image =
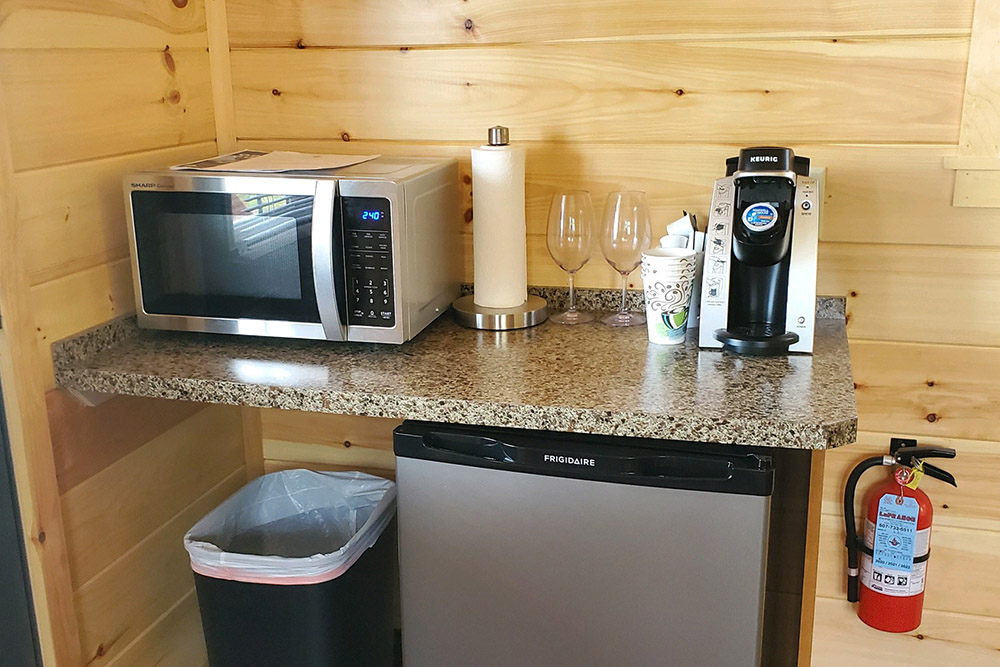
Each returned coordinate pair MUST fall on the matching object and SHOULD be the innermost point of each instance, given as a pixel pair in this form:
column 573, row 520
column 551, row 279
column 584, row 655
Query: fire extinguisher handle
column 907, row 453
column 908, row 456
column 938, row 473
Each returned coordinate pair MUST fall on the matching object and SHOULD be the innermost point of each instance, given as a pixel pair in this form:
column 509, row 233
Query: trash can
column 296, row 568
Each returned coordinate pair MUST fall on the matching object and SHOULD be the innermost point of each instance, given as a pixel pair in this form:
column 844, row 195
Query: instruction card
column 274, row 162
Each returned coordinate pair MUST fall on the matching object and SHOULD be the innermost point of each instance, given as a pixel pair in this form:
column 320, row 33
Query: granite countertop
column 587, row 378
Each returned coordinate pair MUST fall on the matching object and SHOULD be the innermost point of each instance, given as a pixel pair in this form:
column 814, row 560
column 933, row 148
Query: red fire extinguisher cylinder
column 887, row 612
column 888, row 582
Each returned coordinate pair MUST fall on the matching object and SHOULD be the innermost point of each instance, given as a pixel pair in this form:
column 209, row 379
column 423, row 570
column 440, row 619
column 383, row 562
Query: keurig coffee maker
column 758, row 291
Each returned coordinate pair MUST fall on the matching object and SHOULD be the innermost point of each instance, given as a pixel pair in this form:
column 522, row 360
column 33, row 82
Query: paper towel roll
column 498, row 233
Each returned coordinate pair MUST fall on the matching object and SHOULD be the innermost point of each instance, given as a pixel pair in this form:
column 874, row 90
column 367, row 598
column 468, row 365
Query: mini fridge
column 547, row 549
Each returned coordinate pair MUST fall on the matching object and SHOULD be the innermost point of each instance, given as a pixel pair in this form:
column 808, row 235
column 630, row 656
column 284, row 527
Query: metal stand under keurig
column 500, row 301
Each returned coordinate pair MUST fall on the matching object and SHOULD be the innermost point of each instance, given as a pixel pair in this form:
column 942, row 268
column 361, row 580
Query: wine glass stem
column 623, row 310
column 572, row 294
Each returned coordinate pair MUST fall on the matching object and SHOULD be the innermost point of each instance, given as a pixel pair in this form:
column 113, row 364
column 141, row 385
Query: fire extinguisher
column 896, row 542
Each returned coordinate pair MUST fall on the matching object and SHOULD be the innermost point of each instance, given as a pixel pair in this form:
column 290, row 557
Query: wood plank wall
column 91, row 91
column 654, row 96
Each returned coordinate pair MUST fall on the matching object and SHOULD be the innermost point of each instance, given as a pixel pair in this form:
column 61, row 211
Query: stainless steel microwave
column 365, row 253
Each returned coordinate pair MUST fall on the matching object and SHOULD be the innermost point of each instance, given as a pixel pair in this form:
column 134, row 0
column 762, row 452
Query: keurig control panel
column 368, row 246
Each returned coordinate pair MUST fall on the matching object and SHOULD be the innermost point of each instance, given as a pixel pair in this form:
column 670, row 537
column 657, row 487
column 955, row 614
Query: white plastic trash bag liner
column 292, row 527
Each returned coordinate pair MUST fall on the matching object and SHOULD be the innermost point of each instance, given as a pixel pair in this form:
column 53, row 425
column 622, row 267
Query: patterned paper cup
column 668, row 280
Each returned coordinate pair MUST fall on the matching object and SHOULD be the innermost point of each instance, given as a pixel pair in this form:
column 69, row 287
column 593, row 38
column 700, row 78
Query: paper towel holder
column 530, row 313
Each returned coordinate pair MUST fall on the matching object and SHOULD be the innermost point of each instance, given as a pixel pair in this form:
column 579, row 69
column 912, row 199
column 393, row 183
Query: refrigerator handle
column 663, row 466
column 464, row 444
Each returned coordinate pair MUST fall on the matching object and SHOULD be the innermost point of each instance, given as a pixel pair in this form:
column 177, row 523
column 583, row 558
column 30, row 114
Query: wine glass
column 625, row 235
column 570, row 238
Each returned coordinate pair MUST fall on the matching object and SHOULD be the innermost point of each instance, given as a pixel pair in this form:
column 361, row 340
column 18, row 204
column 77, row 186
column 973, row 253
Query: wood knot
column 930, row 383
column 41, row 537
column 468, row 215
column 347, row 443
column 101, row 651
column 404, row 49
column 180, row 4
column 174, row 96
column 944, row 506
column 919, row 636
column 469, row 25
column 300, row 43
column 344, row 136
column 276, row 92
column 853, row 293
column 932, row 417
column 168, row 60
column 679, row 92
column 466, row 179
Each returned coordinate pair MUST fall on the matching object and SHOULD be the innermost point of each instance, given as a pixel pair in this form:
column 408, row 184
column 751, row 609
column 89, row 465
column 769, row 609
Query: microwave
column 366, row 253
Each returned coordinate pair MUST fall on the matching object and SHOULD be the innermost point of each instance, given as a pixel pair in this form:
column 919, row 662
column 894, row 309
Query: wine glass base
column 624, row 320
column 572, row 317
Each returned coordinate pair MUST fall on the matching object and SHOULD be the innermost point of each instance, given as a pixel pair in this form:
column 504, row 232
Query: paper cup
column 670, row 256
column 674, row 241
column 668, row 280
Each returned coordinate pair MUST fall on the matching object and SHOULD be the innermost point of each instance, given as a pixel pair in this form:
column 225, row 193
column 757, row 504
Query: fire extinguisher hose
column 850, row 521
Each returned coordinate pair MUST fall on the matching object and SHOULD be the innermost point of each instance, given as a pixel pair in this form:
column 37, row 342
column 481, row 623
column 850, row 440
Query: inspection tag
column 895, row 532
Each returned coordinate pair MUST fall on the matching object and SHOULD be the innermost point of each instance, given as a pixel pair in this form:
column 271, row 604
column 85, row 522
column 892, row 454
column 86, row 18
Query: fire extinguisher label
column 894, row 532
column 895, row 540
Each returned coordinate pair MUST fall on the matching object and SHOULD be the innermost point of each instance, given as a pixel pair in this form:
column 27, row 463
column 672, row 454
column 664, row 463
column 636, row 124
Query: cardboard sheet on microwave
column 274, row 162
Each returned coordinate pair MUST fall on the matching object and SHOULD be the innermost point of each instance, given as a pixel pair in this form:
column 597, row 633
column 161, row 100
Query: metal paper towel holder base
column 532, row 312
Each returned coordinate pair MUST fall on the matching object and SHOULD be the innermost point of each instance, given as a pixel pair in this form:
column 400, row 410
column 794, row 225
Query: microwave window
column 225, row 255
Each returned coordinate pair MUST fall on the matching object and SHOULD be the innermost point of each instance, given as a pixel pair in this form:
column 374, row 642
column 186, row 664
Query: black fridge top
column 641, row 461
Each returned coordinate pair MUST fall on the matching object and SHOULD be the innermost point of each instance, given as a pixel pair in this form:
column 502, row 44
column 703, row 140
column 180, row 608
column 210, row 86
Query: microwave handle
column 325, row 263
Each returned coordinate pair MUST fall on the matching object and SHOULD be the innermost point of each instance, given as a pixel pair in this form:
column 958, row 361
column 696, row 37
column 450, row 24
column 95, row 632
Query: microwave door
column 227, row 261
column 328, row 261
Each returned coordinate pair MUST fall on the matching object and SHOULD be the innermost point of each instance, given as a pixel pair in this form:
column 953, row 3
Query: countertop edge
column 764, row 432
column 70, row 357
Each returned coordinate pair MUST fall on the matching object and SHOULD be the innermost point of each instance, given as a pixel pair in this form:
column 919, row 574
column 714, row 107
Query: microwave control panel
column 368, row 253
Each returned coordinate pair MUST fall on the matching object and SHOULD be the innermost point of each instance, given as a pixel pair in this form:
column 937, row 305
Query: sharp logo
column 144, row 185
column 568, row 460
column 763, row 158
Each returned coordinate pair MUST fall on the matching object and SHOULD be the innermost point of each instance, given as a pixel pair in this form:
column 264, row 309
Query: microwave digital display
column 369, row 213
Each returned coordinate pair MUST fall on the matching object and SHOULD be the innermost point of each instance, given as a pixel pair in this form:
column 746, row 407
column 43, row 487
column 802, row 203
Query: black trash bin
column 296, row 568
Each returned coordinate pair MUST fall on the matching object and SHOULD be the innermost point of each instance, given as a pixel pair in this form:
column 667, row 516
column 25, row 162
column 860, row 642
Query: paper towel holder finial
column 499, row 136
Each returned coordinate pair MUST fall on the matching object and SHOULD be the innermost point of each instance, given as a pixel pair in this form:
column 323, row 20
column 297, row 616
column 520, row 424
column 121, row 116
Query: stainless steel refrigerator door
column 502, row 568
